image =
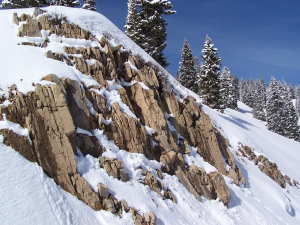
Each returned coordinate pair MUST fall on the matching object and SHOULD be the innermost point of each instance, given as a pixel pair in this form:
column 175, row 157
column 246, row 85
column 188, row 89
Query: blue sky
column 257, row 38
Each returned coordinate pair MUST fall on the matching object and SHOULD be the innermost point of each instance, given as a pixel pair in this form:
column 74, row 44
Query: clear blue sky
column 257, row 38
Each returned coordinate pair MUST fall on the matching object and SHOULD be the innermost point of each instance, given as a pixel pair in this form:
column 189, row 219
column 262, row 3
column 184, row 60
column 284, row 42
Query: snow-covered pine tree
column 134, row 23
column 68, row 3
column 274, row 107
column 187, row 74
column 12, row 4
column 297, row 95
column 228, row 89
column 89, row 4
column 259, row 97
column 147, row 26
column 290, row 119
column 210, row 75
column 236, row 89
column 246, row 92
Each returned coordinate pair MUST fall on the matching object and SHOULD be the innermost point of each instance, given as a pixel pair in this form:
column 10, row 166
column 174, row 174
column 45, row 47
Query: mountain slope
column 121, row 121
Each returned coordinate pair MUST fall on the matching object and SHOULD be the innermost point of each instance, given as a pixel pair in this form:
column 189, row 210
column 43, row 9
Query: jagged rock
column 156, row 186
column 199, row 183
column 114, row 168
column 220, row 187
column 168, row 194
column 85, row 193
column 19, row 142
column 46, row 113
column 103, row 191
column 125, row 206
column 30, row 28
column 146, row 219
column 88, row 145
column 171, row 161
column 266, row 166
column 112, row 205
column 34, row 25
column 153, row 183
column 128, row 133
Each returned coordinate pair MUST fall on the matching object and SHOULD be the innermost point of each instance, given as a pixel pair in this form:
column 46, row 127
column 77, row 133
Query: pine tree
column 90, row 5
column 259, row 97
column 290, row 119
column 274, row 107
column 297, row 95
column 133, row 23
column 210, row 75
column 68, row 3
column 147, row 27
column 12, row 4
column 228, row 89
column 236, row 89
column 187, row 74
column 246, row 92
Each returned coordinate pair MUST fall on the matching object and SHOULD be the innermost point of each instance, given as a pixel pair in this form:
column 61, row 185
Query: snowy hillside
column 29, row 196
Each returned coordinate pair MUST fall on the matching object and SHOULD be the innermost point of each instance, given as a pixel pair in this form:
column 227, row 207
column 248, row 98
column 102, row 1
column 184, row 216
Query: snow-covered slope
column 28, row 196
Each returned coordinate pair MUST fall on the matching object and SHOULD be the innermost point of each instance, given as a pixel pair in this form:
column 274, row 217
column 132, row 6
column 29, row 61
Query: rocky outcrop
column 51, row 116
column 156, row 186
column 199, row 183
column 54, row 115
column 267, row 167
column 146, row 219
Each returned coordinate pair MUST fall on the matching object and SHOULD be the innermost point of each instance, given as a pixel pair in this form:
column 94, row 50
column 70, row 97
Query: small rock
column 103, row 190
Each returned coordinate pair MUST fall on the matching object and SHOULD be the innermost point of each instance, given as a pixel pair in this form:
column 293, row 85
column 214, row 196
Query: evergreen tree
column 133, row 23
column 68, row 3
column 274, row 107
column 187, row 74
column 259, row 97
column 147, row 27
column 236, row 88
column 290, row 119
column 90, row 5
column 297, row 95
column 228, row 89
column 247, row 93
column 210, row 75
column 12, row 4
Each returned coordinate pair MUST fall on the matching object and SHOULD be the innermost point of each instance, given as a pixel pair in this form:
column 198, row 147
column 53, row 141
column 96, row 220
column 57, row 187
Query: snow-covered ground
column 27, row 196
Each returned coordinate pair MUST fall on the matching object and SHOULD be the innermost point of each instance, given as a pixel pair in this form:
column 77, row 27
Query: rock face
column 54, row 113
column 266, row 166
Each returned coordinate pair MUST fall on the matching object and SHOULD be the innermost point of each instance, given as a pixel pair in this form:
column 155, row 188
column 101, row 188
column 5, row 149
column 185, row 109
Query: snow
column 28, row 196
column 16, row 128
column 193, row 158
